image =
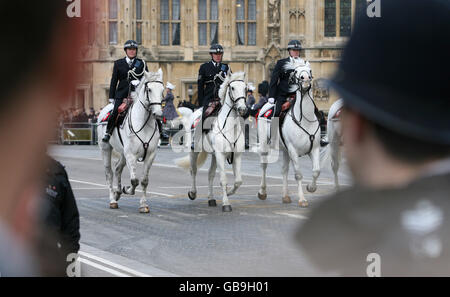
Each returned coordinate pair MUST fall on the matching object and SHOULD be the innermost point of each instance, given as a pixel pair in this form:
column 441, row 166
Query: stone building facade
column 175, row 35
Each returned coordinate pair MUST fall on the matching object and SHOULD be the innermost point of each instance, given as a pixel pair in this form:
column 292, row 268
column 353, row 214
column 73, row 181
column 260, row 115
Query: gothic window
column 339, row 16
column 112, row 21
column 330, row 18
column 345, row 17
column 208, row 22
column 138, row 17
column 170, row 22
column 246, row 22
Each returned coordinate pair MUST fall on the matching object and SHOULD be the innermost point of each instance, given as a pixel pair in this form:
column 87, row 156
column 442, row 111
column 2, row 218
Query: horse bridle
column 298, row 81
column 148, row 109
column 234, row 100
column 147, row 95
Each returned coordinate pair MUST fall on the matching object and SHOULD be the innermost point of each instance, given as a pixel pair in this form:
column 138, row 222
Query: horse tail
column 201, row 159
column 185, row 162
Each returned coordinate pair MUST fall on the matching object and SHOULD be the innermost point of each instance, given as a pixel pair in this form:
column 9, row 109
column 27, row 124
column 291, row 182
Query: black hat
column 394, row 69
column 130, row 44
column 294, row 45
column 263, row 88
column 216, row 49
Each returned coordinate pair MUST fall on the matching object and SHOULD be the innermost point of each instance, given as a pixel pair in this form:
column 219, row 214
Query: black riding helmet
column 294, row 45
column 130, row 44
column 216, row 49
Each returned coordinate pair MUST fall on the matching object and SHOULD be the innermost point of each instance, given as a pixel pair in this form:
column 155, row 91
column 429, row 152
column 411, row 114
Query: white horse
column 224, row 141
column 334, row 134
column 300, row 135
column 136, row 140
column 184, row 120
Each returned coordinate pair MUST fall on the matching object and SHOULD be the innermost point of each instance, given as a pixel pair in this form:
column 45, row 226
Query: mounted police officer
column 210, row 77
column 279, row 83
column 125, row 70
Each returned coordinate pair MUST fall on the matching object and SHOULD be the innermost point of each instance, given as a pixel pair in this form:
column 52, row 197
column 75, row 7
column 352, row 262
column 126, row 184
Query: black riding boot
column 321, row 119
column 162, row 135
column 112, row 120
column 109, row 129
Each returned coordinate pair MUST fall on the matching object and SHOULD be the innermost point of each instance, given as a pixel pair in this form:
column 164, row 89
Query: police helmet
column 130, row 44
column 216, row 49
column 294, row 45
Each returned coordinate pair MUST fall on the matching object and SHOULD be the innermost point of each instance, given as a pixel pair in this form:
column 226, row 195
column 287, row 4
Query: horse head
column 235, row 87
column 301, row 76
column 154, row 89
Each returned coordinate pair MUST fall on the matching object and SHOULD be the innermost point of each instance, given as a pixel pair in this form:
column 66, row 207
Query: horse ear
column 160, row 73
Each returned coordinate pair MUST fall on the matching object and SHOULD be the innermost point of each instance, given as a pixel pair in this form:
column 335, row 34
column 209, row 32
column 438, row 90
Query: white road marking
column 100, row 185
column 291, row 215
column 228, row 171
column 112, row 264
column 101, row 267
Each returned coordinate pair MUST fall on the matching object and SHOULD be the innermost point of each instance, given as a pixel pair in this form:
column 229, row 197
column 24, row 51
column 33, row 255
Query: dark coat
column 60, row 213
column 279, row 82
column 169, row 111
column 119, row 86
column 208, row 88
column 407, row 227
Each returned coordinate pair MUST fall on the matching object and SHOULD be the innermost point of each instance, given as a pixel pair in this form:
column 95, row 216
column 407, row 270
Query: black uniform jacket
column 60, row 213
column 279, row 82
column 120, row 75
column 396, row 232
column 207, row 87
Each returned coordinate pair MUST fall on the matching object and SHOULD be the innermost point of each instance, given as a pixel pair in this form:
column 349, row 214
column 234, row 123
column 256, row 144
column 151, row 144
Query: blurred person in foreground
column 60, row 218
column 44, row 38
column 394, row 221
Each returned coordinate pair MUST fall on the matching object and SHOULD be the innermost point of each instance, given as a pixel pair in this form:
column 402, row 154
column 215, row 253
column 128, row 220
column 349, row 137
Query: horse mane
column 294, row 65
column 224, row 87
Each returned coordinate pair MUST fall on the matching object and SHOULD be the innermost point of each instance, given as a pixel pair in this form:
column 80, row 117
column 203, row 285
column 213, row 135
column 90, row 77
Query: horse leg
column 211, row 175
column 298, row 177
column 335, row 163
column 237, row 173
column 132, row 164
column 143, row 206
column 106, row 152
column 315, row 158
column 220, row 158
column 118, row 176
column 262, row 194
column 193, row 192
column 285, row 172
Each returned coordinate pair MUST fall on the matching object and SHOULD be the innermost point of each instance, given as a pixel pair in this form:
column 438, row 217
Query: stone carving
column 320, row 90
column 274, row 12
column 274, row 21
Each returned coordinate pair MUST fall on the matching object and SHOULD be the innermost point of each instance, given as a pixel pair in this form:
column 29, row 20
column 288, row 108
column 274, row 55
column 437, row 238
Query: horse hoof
column 287, row 199
column 311, row 189
column 113, row 205
column 303, row 204
column 262, row 196
column 192, row 195
column 226, row 208
column 145, row 209
column 212, row 203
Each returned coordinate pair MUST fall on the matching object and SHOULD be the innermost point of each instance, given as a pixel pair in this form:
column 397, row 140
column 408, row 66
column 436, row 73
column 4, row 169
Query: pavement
column 187, row 238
